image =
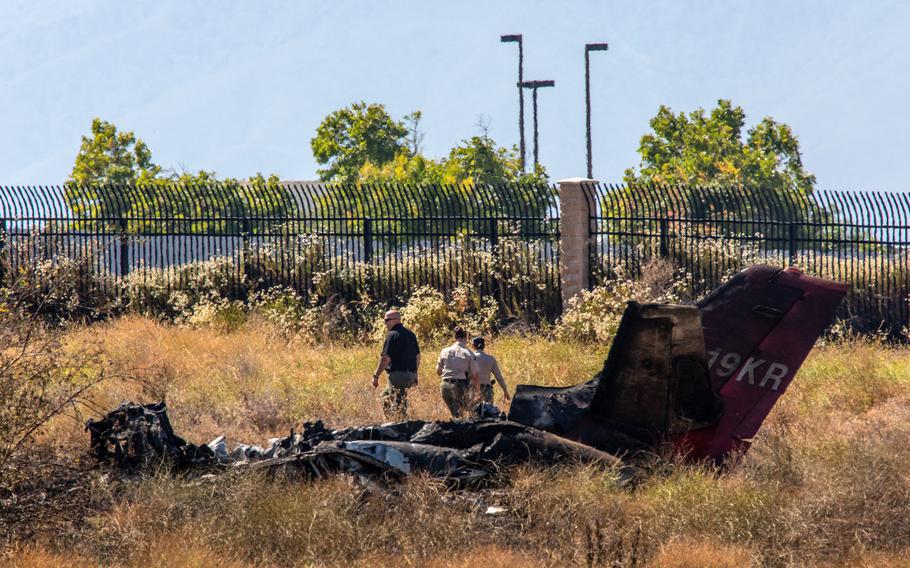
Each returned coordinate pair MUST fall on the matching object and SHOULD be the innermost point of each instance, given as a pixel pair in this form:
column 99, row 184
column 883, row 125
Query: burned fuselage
column 653, row 385
column 464, row 451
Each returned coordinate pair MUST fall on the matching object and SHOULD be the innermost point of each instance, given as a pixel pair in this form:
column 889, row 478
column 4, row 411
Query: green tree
column 479, row 160
column 115, row 177
column 476, row 161
column 404, row 168
column 352, row 136
column 718, row 170
column 258, row 204
column 108, row 156
column 702, row 149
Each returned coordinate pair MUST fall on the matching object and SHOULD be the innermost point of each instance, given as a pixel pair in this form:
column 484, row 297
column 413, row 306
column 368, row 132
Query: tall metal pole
column 534, row 85
column 534, row 99
column 588, row 49
column 516, row 38
column 588, row 111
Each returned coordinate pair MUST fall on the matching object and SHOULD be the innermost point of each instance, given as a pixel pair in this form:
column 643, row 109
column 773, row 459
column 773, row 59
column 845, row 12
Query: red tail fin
column 759, row 328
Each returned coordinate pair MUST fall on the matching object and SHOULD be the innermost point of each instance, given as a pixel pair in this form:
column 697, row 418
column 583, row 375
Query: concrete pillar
column 575, row 202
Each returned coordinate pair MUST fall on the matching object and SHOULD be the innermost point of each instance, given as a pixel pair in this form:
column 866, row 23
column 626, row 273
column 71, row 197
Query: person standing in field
column 456, row 366
column 486, row 366
column 400, row 357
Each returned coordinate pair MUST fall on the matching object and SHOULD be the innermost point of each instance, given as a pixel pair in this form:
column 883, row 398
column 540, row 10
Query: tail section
column 705, row 377
column 758, row 327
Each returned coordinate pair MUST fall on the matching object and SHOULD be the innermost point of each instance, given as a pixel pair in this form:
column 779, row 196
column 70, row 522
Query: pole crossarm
column 516, row 38
column 534, row 85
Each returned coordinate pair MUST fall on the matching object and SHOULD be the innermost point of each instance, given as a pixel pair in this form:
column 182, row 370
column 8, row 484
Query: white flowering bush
column 593, row 316
column 477, row 314
column 219, row 314
column 427, row 314
column 316, row 287
column 283, row 308
column 172, row 293
column 47, row 280
column 432, row 315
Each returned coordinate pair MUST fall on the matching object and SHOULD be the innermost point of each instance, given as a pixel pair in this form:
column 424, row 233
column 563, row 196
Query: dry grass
column 685, row 553
column 824, row 484
column 253, row 384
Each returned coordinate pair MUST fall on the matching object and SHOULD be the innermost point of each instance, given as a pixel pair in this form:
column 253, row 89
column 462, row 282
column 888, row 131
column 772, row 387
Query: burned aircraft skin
column 702, row 378
column 132, row 434
column 464, row 452
column 654, row 384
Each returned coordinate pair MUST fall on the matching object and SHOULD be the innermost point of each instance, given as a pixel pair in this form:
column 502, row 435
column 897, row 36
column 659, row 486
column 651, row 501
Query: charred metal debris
column 701, row 378
column 465, row 452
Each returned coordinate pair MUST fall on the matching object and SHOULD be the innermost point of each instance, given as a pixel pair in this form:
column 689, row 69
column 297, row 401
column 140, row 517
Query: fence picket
column 383, row 241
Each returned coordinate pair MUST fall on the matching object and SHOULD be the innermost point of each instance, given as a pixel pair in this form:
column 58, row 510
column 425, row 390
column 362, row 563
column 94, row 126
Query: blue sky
column 239, row 87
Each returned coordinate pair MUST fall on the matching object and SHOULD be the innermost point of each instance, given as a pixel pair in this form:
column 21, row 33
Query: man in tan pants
column 456, row 366
column 401, row 358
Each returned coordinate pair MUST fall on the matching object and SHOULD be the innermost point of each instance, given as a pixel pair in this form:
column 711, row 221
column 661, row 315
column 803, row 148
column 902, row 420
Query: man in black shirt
column 401, row 358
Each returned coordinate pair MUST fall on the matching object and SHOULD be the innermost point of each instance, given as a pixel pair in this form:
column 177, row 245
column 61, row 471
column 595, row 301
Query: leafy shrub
column 337, row 320
column 282, row 307
column 39, row 380
column 593, row 316
column 477, row 314
column 433, row 316
column 427, row 314
column 48, row 279
column 173, row 293
column 217, row 313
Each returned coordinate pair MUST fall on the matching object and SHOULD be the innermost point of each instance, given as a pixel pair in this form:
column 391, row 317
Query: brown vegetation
column 824, row 484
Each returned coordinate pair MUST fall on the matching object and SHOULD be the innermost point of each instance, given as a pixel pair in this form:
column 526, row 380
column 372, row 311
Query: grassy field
column 825, row 483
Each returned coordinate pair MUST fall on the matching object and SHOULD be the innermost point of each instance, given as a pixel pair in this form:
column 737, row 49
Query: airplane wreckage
column 702, row 378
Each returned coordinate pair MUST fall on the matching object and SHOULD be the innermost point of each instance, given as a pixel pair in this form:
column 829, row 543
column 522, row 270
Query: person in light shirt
column 487, row 366
column 458, row 370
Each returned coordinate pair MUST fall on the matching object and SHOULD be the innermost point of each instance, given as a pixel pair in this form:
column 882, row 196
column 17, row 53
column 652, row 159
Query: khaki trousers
column 455, row 395
column 395, row 396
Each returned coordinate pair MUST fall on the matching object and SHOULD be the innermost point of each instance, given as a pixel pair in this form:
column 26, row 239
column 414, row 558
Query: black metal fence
column 381, row 242
column 354, row 243
column 862, row 238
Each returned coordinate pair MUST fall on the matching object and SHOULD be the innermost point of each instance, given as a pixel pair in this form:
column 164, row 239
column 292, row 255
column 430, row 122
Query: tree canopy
column 111, row 157
column 350, row 137
column 477, row 160
column 702, row 149
column 124, row 163
column 474, row 161
column 357, row 144
column 363, row 143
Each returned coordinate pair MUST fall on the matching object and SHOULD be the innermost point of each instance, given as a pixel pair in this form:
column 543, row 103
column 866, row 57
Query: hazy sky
column 239, row 87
